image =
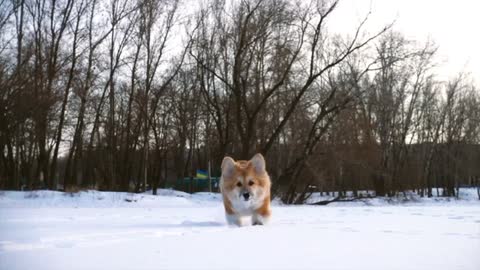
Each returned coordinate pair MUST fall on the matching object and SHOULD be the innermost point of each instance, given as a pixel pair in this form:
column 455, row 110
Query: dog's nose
column 246, row 195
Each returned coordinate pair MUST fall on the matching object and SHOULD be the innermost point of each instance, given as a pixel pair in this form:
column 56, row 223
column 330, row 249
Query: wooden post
column 209, row 178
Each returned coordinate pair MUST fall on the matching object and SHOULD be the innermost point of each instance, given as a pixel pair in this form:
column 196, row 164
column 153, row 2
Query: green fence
column 188, row 184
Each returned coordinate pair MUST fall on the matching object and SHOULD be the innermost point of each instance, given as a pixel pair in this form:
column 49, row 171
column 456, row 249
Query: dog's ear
column 228, row 166
column 258, row 163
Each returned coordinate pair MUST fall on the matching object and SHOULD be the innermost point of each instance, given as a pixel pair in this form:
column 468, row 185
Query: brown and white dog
column 245, row 187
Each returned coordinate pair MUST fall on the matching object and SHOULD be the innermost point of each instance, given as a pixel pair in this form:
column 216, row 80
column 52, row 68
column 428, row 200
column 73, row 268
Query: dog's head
column 246, row 180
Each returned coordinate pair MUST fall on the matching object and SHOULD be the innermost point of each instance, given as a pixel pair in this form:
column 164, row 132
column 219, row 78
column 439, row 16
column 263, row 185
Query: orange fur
column 243, row 177
column 264, row 210
column 228, row 206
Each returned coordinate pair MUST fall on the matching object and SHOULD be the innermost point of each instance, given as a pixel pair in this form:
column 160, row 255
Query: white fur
column 244, row 208
column 233, row 220
column 260, row 220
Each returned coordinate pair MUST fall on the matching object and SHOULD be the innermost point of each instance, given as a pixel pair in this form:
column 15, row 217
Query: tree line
column 132, row 95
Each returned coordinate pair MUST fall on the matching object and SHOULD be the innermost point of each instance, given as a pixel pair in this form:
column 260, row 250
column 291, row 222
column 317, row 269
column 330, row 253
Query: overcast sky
column 453, row 25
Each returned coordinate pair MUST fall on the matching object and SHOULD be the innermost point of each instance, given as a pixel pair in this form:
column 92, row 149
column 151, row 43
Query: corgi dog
column 245, row 187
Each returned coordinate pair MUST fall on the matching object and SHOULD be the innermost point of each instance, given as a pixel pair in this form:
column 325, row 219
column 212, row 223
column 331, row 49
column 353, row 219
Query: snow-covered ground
column 175, row 230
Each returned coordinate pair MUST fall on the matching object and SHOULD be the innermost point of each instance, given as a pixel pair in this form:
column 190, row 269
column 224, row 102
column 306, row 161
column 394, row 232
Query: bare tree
column 114, row 95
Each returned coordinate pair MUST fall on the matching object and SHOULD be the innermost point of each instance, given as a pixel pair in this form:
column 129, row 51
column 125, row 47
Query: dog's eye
column 239, row 184
column 250, row 183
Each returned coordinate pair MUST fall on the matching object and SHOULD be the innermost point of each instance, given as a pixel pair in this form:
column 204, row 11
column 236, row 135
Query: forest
column 131, row 95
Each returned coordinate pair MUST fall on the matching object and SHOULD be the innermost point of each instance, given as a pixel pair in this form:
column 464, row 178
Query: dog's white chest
column 243, row 207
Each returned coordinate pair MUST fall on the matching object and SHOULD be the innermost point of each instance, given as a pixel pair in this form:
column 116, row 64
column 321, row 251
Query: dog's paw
column 260, row 220
column 233, row 220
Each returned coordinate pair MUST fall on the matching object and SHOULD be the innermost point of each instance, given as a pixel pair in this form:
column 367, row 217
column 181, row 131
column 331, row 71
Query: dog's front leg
column 261, row 216
column 233, row 219
column 258, row 219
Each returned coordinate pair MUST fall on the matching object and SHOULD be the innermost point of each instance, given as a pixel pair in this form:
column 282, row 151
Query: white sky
column 452, row 25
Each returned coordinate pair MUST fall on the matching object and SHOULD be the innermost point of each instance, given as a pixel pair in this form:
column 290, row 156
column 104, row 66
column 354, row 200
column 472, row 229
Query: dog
column 245, row 187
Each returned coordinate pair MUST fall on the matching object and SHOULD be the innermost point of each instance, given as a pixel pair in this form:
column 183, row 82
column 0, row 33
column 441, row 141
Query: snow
column 176, row 230
column 467, row 196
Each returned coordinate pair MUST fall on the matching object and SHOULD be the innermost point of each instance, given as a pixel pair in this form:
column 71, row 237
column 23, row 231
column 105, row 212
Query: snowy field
column 99, row 230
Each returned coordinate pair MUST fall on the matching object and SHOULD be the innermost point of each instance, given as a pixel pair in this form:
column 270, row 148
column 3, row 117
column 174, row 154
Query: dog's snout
column 246, row 195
